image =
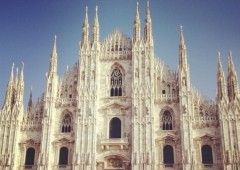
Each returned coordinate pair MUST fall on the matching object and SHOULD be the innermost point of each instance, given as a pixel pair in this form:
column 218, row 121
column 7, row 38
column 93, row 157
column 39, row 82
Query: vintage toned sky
column 27, row 30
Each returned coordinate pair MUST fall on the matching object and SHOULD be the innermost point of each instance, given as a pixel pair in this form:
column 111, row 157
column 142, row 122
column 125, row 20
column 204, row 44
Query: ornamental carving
column 115, row 162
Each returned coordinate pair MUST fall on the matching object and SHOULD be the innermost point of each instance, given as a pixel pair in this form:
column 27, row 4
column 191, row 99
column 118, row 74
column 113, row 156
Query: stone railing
column 120, row 143
column 116, row 55
column 200, row 122
column 166, row 97
column 66, row 102
column 31, row 126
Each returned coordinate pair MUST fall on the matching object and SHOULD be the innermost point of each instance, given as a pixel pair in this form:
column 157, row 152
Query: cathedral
column 121, row 108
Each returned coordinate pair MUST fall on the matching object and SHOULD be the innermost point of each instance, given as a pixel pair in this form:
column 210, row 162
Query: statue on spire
column 233, row 89
column 85, row 30
column 95, row 36
column 137, row 26
column 148, row 27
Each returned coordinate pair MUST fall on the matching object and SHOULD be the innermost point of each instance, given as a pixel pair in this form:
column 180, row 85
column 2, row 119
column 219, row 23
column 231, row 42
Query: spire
column 137, row 26
column 233, row 89
column 16, row 78
column 10, row 86
column 85, row 30
column 30, row 100
column 96, row 28
column 182, row 52
column 221, row 84
column 11, row 79
column 148, row 26
column 21, row 75
column 21, row 80
column 148, row 11
column 181, row 36
column 53, row 60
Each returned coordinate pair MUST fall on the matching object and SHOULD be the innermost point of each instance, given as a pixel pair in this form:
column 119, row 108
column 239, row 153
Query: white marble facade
column 121, row 108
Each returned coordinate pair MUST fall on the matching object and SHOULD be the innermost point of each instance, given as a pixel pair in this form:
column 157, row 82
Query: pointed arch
column 66, row 122
column 167, row 119
column 117, row 75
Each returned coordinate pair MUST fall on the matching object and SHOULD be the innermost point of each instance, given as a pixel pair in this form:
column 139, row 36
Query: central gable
column 116, row 46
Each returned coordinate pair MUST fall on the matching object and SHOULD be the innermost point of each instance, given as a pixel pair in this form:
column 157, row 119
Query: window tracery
column 116, row 82
column 66, row 123
column 167, row 121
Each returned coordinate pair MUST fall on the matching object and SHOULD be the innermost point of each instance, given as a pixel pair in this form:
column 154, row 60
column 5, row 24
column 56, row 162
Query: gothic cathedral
column 121, row 108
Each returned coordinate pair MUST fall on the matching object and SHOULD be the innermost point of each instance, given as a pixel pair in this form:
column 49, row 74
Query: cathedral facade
column 121, row 108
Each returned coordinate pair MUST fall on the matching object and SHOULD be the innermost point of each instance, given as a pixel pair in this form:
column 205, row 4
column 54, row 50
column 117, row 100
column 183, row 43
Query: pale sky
column 27, row 30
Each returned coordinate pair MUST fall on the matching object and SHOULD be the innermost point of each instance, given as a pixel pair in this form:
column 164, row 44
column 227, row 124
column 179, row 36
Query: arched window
column 30, row 156
column 115, row 128
column 207, row 157
column 116, row 83
column 168, row 155
column 66, row 123
column 167, row 122
column 63, row 156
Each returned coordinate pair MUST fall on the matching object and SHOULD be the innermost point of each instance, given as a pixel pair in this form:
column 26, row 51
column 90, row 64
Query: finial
column 13, row 66
column 137, row 12
column 230, row 54
column 219, row 55
column 22, row 65
column 55, row 38
column 181, row 35
column 148, row 11
column 86, row 10
column 96, row 16
column 17, row 71
column 12, row 70
column 181, row 28
column 219, row 59
column 21, row 76
column 230, row 58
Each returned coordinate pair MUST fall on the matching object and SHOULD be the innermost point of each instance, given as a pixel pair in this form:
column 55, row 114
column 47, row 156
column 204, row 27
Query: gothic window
column 120, row 49
column 66, row 123
column 207, row 156
column 30, row 155
column 115, row 128
column 163, row 92
column 116, row 83
column 63, row 156
column 168, row 155
column 167, row 122
column 168, row 88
